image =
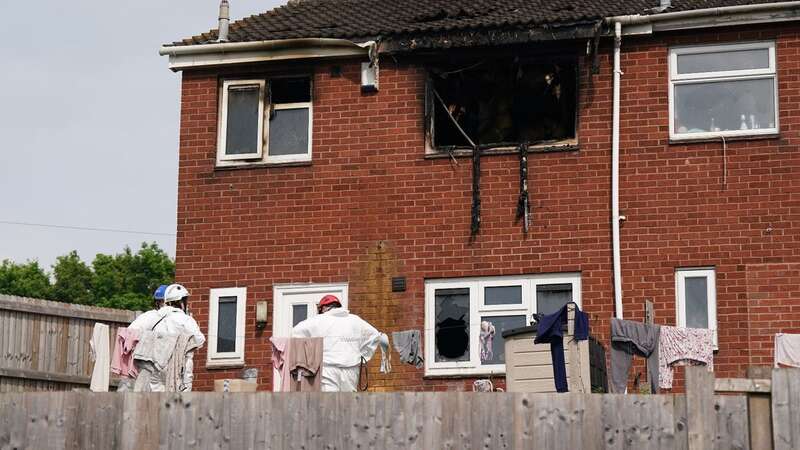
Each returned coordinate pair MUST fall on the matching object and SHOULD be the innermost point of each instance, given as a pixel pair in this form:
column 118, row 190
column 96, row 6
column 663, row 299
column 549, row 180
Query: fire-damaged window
column 265, row 121
column 501, row 103
column 465, row 318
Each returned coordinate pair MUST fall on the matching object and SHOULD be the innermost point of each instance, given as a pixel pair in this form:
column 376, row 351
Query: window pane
column 299, row 313
column 226, row 325
column 290, row 90
column 241, row 135
column 730, row 60
column 724, row 106
column 493, row 349
column 452, row 324
column 502, row 295
column 288, row 132
column 551, row 297
column 696, row 302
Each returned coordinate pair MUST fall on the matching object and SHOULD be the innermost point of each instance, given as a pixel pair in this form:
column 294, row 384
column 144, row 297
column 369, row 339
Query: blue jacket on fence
column 550, row 330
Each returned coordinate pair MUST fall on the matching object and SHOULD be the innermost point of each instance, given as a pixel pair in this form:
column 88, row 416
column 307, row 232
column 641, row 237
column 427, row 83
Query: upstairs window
column 265, row 121
column 502, row 103
column 723, row 90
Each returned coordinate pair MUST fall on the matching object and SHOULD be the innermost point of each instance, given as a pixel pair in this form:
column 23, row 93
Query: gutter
column 708, row 17
column 222, row 53
column 638, row 19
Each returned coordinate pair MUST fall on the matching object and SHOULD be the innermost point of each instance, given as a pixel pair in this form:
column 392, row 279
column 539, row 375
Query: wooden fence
column 44, row 346
column 443, row 420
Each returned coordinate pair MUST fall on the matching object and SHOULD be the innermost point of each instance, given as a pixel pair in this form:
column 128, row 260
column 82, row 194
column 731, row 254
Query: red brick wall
column 370, row 206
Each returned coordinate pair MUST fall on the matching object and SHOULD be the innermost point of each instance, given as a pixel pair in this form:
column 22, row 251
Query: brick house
column 330, row 147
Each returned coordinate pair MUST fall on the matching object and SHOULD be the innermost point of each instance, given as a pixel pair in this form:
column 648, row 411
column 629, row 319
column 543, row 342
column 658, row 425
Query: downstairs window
column 465, row 318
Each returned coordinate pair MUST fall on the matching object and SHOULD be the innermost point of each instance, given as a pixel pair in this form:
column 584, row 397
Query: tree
column 25, row 280
column 127, row 280
column 74, row 280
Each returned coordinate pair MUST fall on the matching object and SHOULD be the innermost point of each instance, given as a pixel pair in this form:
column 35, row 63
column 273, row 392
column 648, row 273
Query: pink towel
column 122, row 358
column 280, row 354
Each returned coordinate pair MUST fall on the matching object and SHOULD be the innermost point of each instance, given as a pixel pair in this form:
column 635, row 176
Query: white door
column 294, row 303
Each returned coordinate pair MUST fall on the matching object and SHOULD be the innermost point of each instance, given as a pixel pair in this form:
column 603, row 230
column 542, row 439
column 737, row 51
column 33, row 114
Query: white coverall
column 346, row 339
column 175, row 322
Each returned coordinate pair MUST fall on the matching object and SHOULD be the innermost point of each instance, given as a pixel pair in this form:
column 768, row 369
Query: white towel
column 102, row 358
column 787, row 349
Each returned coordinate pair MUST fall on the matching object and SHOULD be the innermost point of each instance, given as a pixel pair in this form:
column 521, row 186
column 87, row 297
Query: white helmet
column 171, row 293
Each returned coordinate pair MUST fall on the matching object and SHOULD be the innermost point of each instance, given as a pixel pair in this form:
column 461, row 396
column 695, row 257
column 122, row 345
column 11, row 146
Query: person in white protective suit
column 166, row 318
column 348, row 343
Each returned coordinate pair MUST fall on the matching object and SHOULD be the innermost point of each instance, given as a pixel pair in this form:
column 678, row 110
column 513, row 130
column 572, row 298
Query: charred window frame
column 265, row 120
column 458, row 312
column 502, row 103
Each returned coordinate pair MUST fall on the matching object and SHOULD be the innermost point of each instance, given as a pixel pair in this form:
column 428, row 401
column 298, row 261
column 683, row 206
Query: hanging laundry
column 180, row 368
column 630, row 338
column 486, row 338
column 99, row 347
column 122, row 358
column 386, row 355
column 280, row 348
column 787, row 350
column 407, row 344
column 678, row 344
column 550, row 331
column 304, row 362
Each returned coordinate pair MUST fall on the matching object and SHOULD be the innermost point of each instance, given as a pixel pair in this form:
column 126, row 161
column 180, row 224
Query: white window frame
column 223, row 125
column 282, row 308
column 676, row 79
column 281, row 313
column 711, row 294
column 226, row 359
column 262, row 156
column 300, row 156
column 478, row 309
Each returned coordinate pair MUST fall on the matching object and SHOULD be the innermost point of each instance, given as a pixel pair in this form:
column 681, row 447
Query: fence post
column 700, row 411
column 759, row 411
column 786, row 408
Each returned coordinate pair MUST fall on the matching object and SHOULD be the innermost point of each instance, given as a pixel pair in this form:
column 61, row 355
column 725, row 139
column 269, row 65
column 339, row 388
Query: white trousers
column 339, row 379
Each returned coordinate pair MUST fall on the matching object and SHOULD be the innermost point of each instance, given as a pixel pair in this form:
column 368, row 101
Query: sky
column 89, row 117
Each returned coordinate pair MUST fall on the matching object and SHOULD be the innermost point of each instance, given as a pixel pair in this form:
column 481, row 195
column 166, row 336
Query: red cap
column 329, row 300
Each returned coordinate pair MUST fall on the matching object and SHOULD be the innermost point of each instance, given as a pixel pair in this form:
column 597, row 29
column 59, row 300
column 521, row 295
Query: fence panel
column 786, row 408
column 44, row 345
column 442, row 420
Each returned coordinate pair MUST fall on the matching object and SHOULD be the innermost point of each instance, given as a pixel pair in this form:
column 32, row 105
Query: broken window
column 465, row 318
column 498, row 103
column 452, row 325
column 289, row 130
column 265, row 121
